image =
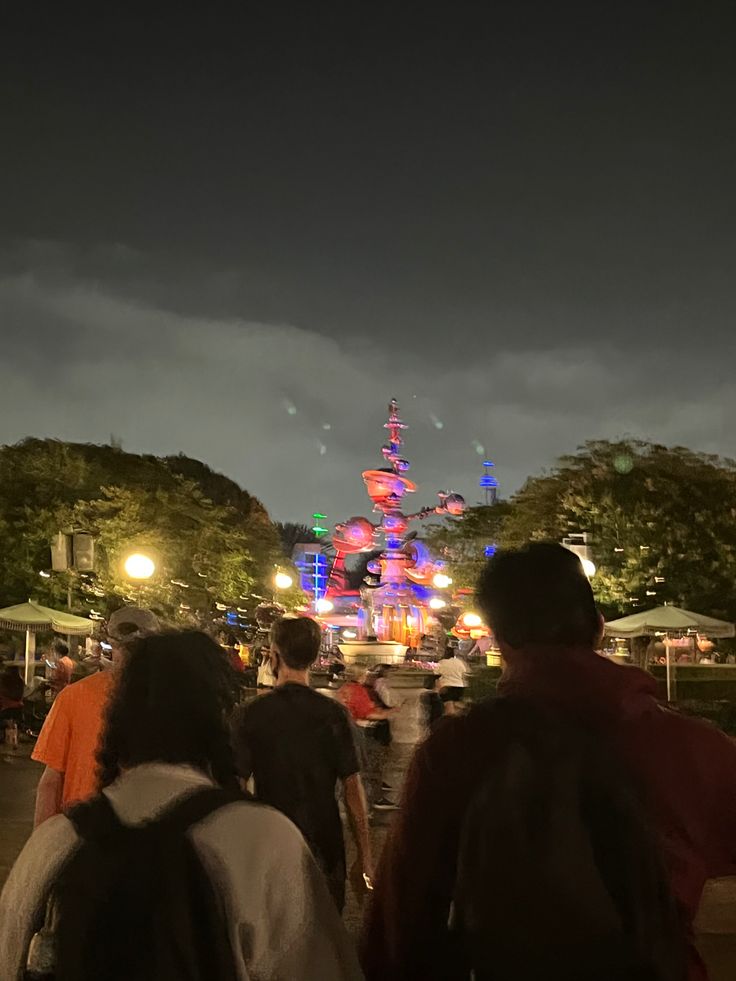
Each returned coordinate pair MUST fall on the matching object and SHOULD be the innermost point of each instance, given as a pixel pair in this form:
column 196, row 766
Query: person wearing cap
column 67, row 744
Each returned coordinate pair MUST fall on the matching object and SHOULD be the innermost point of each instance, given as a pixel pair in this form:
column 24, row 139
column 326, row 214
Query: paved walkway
column 18, row 778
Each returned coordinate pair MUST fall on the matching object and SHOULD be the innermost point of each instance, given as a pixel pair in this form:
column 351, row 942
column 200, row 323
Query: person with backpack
column 170, row 873
column 575, row 819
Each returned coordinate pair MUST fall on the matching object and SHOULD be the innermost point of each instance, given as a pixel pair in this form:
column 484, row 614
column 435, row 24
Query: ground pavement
column 18, row 778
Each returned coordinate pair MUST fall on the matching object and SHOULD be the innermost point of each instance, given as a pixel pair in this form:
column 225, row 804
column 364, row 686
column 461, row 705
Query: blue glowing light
column 488, row 481
column 490, row 550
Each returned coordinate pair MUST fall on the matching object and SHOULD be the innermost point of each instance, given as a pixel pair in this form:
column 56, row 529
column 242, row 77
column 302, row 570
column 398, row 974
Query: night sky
column 238, row 235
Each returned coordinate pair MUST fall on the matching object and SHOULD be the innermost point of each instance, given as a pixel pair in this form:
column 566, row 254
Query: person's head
column 129, row 624
column 59, row 649
column 538, row 594
column 355, row 674
column 295, row 643
column 170, row 705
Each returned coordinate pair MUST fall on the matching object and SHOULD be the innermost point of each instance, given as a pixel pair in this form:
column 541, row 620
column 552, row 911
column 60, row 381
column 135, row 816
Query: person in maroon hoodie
column 541, row 609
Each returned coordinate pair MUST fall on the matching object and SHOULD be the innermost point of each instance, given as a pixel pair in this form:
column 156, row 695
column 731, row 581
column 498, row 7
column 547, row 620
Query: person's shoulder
column 260, row 707
column 328, row 704
column 260, row 826
column 46, row 849
column 99, row 681
column 699, row 734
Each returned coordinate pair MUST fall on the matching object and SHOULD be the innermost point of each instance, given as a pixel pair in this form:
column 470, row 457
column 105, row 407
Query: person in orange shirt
column 70, row 735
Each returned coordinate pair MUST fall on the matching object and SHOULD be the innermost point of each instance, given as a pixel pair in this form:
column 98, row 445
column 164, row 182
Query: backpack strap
column 94, row 819
column 195, row 807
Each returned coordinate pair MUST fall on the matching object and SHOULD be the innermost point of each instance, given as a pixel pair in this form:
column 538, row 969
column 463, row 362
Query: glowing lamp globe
column 588, row 567
column 441, row 581
column 282, row 581
column 471, row 620
column 437, row 604
column 324, row 606
column 139, row 566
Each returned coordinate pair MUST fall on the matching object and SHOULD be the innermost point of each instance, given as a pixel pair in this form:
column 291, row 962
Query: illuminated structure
column 399, row 588
column 488, row 483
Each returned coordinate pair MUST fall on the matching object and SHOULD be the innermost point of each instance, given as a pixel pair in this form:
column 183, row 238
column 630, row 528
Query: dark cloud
column 84, row 361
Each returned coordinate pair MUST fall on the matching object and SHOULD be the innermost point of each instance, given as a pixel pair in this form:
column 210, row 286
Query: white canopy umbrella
column 32, row 618
column 668, row 620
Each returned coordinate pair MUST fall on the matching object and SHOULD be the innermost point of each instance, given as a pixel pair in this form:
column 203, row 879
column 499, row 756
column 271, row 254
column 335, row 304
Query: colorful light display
column 399, row 589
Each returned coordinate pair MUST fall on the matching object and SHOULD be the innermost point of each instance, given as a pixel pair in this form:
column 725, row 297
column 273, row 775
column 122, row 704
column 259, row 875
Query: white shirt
column 284, row 925
column 452, row 671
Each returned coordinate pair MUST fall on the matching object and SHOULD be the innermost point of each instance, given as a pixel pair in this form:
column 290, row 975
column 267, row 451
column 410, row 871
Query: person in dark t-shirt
column 297, row 744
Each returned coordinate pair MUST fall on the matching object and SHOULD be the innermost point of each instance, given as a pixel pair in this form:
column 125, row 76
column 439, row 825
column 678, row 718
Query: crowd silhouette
column 564, row 829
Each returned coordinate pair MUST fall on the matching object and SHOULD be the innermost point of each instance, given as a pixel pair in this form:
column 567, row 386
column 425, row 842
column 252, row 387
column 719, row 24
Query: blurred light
column 471, row 620
column 45, row 575
column 588, row 567
column 139, row 566
column 282, row 581
column 411, row 621
column 437, row 604
column 324, row 606
column 349, row 634
column 441, row 581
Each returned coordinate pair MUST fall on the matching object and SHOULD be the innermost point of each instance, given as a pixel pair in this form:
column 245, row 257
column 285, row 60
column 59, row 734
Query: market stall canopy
column 668, row 619
column 34, row 618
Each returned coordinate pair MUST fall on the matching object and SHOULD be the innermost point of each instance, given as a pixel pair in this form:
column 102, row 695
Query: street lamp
column 588, row 567
column 282, row 581
column 139, row 566
column 441, row 581
column 471, row 620
column 437, row 604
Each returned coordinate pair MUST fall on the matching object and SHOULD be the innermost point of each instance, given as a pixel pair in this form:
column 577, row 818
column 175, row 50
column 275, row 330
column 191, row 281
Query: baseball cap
column 131, row 622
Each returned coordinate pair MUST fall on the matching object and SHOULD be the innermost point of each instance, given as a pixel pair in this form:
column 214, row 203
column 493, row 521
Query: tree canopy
column 661, row 523
column 212, row 541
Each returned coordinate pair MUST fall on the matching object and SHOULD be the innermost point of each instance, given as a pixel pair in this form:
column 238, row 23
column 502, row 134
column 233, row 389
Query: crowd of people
column 564, row 829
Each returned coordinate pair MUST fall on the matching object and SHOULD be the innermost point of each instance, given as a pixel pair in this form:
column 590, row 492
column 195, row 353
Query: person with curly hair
column 130, row 867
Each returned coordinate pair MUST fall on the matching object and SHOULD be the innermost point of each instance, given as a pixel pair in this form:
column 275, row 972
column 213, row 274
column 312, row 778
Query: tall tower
column 488, row 483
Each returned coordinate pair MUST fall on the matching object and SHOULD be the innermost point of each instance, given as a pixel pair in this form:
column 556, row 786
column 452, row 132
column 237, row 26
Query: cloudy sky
column 238, row 236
